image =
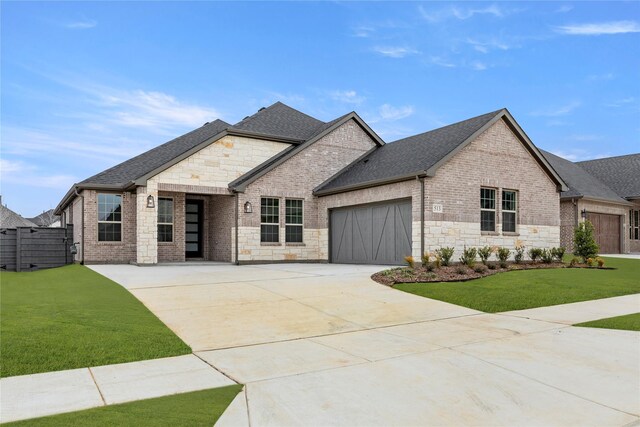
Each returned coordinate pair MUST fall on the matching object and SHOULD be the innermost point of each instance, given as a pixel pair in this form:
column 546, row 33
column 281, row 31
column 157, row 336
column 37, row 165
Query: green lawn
column 199, row 408
column 630, row 322
column 518, row 290
column 71, row 317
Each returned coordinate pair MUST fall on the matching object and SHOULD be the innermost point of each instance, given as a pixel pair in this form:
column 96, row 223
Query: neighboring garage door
column 607, row 232
column 371, row 234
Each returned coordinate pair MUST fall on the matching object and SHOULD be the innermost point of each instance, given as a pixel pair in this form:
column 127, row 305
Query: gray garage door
column 371, row 234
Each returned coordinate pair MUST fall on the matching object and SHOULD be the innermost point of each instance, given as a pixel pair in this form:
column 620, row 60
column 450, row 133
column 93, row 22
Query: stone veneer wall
column 296, row 178
column 108, row 252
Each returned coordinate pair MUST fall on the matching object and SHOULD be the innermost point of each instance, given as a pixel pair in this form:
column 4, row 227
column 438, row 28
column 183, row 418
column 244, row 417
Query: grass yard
column 198, row 408
column 71, row 317
column 519, row 290
column 630, row 322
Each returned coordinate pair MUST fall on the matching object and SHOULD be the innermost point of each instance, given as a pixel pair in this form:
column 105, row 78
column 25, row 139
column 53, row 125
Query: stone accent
column 296, row 178
column 221, row 162
column 195, row 189
column 147, row 225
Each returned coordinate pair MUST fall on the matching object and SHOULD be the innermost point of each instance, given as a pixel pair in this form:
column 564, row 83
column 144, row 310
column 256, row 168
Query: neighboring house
column 47, row 219
column 607, row 193
column 10, row 219
column 283, row 186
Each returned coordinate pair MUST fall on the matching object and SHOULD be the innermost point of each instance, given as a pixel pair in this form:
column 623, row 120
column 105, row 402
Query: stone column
column 147, row 225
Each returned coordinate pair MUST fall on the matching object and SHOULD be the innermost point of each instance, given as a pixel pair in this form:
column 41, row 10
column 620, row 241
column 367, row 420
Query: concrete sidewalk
column 38, row 395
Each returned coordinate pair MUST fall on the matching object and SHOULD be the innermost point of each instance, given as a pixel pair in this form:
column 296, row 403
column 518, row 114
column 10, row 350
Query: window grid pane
column 109, row 217
column 509, row 201
column 509, row 222
column 165, row 233
column 269, row 233
column 269, row 220
column 293, row 211
column 487, row 198
column 487, row 221
column 487, row 209
column 293, row 233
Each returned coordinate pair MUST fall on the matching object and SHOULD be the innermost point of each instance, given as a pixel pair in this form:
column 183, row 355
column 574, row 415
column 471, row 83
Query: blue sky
column 88, row 85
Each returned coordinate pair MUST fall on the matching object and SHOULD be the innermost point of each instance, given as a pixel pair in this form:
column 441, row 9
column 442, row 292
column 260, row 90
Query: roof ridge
column 264, row 109
column 607, row 158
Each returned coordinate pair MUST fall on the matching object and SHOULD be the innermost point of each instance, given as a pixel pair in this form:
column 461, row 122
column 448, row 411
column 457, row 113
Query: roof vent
column 365, row 160
column 205, row 124
column 263, row 108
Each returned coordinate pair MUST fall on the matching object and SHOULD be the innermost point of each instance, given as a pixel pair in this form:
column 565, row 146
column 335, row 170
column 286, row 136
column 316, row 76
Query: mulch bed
column 451, row 273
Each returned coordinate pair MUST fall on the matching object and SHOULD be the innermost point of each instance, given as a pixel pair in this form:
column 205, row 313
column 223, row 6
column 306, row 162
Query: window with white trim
column 634, row 224
column 109, row 217
column 487, row 209
column 165, row 219
column 269, row 220
column 509, row 210
column 293, row 216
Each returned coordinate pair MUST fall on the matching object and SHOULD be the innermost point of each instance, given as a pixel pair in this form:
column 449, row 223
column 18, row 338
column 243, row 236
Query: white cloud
column 578, row 154
column 441, row 62
column 394, row 51
column 478, row 66
column 391, row 113
column 19, row 172
column 362, row 31
column 468, row 13
column 600, row 77
column 347, row 96
column 461, row 13
column 557, row 111
column 81, row 25
column 11, row 166
column 597, row 29
column 564, row 9
column 485, row 46
column 621, row 102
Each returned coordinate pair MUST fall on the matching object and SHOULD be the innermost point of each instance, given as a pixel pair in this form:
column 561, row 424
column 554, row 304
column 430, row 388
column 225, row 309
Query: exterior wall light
column 247, row 207
column 583, row 213
column 150, row 202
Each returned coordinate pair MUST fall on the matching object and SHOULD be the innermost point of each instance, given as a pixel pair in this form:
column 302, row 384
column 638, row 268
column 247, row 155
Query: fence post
column 18, row 249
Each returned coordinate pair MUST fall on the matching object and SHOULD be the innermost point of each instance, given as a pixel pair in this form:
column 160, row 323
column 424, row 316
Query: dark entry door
column 371, row 234
column 193, row 228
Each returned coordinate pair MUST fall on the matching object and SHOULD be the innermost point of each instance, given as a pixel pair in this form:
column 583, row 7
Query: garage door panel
column 375, row 234
column 606, row 230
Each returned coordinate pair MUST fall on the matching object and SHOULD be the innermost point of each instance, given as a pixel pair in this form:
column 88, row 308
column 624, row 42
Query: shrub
column 535, row 253
column 491, row 266
column 600, row 262
column 584, row 244
column 519, row 254
column 445, row 254
column 591, row 262
column 503, row 264
column 429, row 267
column 503, row 255
column 425, row 259
column 468, row 257
column 484, row 253
column 461, row 269
column 438, row 262
column 410, row 261
column 480, row 268
column 558, row 253
column 574, row 261
column 546, row 256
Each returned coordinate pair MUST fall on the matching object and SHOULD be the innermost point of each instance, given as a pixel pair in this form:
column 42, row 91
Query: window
column 165, row 219
column 487, row 209
column 269, row 220
column 293, row 221
column 109, row 217
column 509, row 208
column 634, row 224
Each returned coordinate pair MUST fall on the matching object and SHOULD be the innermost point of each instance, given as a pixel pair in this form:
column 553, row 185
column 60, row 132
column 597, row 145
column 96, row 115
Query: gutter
column 421, row 179
column 237, row 215
column 372, row 183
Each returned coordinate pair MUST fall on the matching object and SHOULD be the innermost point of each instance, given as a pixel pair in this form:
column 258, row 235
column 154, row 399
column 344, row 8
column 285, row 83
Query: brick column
column 147, row 225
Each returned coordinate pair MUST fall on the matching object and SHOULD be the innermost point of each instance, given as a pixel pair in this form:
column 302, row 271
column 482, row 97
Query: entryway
column 194, row 210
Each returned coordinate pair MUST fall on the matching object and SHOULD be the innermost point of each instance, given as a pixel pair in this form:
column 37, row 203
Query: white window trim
column 515, row 212
column 173, row 217
column 270, row 223
column 109, row 222
column 494, row 210
column 293, row 225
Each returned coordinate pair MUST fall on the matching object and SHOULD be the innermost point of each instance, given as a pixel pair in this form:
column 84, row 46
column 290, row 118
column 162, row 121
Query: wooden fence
column 35, row 248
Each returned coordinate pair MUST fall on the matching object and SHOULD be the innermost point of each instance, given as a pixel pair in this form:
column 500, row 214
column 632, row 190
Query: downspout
column 237, row 214
column 82, row 229
column 421, row 179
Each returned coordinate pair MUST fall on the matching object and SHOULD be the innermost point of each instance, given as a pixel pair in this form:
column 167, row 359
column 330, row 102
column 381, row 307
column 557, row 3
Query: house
column 283, row 186
column 46, row 219
column 607, row 193
column 10, row 219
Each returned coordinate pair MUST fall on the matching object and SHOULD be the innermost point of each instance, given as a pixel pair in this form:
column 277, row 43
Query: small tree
column 584, row 244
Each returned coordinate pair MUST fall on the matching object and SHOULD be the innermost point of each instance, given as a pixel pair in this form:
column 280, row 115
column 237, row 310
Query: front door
column 193, row 228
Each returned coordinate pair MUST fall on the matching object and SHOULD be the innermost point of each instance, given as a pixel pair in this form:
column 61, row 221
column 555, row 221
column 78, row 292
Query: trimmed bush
column 558, row 253
column 518, row 256
column 480, row 268
column 461, row 269
column 485, row 253
column 445, row 254
column 546, row 256
column 468, row 257
column 535, row 254
column 425, row 259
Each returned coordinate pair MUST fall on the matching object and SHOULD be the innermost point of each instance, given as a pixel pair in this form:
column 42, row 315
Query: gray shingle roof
column 150, row 160
column 280, row 120
column 581, row 183
column 621, row 173
column 10, row 219
column 45, row 219
column 409, row 155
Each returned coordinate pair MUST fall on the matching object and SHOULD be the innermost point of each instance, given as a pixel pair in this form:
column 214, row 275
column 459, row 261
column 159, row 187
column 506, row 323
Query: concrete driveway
column 324, row 345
